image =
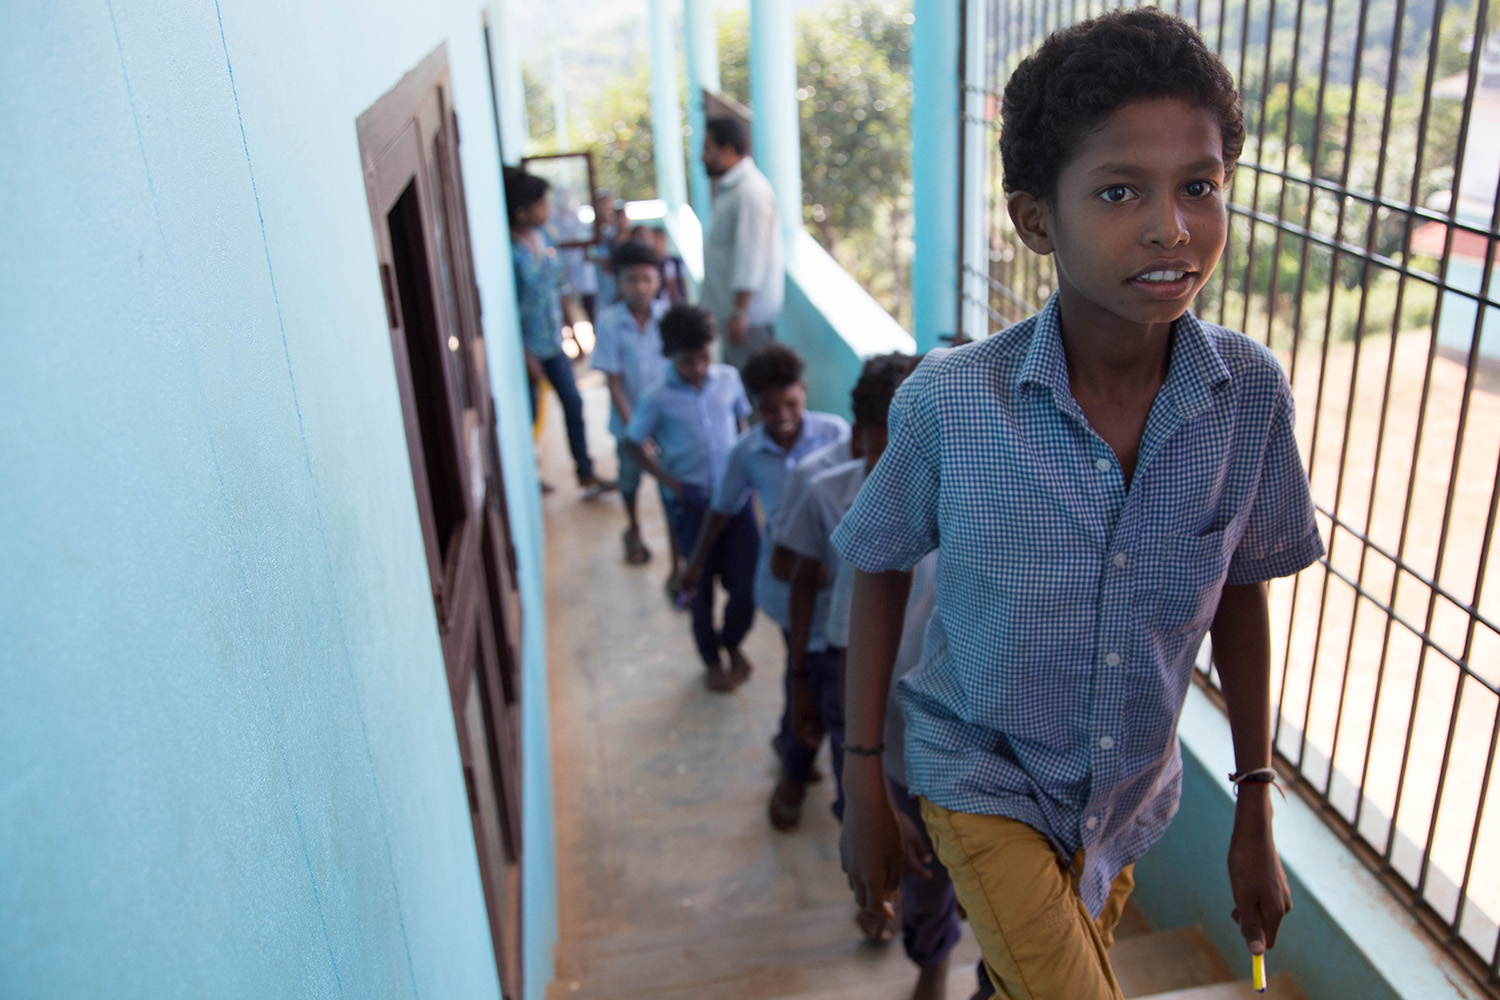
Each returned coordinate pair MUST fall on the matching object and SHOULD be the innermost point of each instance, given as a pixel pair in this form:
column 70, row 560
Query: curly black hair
column 686, row 328
column 631, row 254
column 870, row 398
column 522, row 190
column 775, row 366
column 1082, row 74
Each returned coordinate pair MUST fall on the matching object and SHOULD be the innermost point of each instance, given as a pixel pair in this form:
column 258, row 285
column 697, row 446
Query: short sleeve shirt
column 920, row 602
column 758, row 464
column 821, row 460
column 539, row 282
column 694, row 428
column 1069, row 609
column 623, row 347
column 807, row 526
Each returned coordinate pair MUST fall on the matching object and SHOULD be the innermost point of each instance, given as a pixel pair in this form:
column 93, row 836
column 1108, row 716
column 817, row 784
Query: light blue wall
column 227, row 757
column 833, row 323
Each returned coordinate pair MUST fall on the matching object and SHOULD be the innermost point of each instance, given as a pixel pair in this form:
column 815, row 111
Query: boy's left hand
column 1261, row 894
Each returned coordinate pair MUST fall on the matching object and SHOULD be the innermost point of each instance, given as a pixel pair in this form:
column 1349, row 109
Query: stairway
column 670, row 882
column 815, row 954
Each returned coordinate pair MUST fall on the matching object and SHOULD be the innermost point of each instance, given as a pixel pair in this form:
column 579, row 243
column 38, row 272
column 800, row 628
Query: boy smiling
column 1106, row 482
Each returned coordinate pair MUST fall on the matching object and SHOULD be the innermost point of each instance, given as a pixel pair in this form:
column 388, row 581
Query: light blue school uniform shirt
column 1070, row 609
column 622, row 347
column 805, row 471
column 759, row 464
column 539, row 291
column 694, row 429
column 815, row 500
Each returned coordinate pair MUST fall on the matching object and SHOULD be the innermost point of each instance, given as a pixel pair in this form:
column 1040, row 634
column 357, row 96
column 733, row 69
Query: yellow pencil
column 1258, row 972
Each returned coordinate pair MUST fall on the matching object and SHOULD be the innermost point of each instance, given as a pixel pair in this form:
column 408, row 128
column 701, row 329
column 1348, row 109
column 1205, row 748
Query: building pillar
column 937, row 35
column 773, row 97
column 666, row 110
column 510, row 86
column 700, row 27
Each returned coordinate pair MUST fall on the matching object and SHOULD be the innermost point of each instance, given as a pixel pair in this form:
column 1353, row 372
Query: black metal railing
column 1364, row 223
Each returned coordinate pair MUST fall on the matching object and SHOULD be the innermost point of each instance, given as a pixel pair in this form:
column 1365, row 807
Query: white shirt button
column 1112, row 659
column 1106, row 743
column 1102, row 464
column 1120, row 560
column 1092, row 822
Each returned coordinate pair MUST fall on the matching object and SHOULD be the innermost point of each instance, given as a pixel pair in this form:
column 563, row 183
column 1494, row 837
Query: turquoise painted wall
column 227, row 758
column 833, row 323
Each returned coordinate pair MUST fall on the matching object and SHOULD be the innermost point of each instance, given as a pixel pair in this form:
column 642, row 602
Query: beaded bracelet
column 874, row 751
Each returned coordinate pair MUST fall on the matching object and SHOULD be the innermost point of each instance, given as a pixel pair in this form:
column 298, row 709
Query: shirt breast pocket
column 1186, row 580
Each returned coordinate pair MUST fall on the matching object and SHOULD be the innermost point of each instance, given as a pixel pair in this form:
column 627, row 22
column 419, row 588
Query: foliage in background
column 854, row 100
column 854, row 103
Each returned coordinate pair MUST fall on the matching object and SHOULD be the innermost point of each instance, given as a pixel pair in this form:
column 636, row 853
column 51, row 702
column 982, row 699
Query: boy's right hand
column 688, row 579
column 870, row 845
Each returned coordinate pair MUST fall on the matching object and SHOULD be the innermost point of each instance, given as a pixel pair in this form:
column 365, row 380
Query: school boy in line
column 1105, row 482
column 760, row 463
column 693, row 415
column 803, row 525
column 628, row 350
column 929, row 910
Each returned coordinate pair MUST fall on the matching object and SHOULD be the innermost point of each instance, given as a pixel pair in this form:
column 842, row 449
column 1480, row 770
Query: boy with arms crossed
column 694, row 415
column 1105, row 482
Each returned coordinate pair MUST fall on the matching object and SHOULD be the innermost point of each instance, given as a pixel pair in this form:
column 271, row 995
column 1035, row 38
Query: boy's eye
column 1199, row 189
column 1115, row 193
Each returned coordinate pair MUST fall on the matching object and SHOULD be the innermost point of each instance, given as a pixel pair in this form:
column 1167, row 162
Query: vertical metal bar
column 1470, row 376
column 1260, row 145
column 1286, row 164
column 1371, row 233
column 1333, row 282
column 1489, row 765
column 1286, row 153
column 1481, row 14
column 1314, row 163
column 1413, row 196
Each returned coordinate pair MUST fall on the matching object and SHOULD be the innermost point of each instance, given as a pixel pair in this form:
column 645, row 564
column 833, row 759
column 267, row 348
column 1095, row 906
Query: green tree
column 854, row 103
column 616, row 127
column 540, row 125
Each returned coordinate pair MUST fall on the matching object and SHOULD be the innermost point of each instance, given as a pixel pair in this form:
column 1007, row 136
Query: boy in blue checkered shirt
column 1106, row 483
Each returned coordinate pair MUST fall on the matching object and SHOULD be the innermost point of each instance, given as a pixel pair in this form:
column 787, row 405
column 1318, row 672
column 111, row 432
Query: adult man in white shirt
column 743, row 271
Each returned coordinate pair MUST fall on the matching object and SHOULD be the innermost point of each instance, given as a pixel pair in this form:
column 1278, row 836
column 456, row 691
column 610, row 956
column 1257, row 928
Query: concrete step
column 805, row 952
column 1278, row 987
column 817, row 954
column 1167, row 960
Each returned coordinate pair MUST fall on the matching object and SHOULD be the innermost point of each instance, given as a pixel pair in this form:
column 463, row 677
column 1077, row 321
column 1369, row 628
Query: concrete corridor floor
column 661, row 786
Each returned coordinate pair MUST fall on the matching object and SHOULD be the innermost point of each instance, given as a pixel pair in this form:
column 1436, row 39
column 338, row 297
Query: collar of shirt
column 1194, row 370
column 737, row 173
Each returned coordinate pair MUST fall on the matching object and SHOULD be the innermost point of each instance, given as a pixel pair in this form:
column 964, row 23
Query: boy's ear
column 1032, row 218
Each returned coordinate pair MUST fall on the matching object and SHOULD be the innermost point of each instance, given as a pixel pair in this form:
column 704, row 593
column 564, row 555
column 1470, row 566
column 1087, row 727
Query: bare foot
column 876, row 927
column 932, row 981
column 718, row 680
column 785, row 808
column 739, row 667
